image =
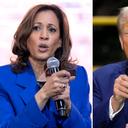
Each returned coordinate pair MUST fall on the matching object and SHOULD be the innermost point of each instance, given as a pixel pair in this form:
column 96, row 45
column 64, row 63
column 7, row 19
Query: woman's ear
column 60, row 43
column 121, row 42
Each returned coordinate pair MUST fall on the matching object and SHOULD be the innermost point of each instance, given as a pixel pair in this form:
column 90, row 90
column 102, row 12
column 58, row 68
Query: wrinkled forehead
column 124, row 26
column 123, row 20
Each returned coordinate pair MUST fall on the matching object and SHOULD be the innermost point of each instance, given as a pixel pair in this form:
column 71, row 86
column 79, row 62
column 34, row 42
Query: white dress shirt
column 112, row 114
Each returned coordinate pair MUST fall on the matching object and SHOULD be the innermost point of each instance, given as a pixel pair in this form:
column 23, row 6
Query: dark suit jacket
column 18, row 108
column 103, row 81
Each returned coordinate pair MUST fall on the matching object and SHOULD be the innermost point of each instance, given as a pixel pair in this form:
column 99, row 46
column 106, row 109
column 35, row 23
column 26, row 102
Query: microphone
column 52, row 67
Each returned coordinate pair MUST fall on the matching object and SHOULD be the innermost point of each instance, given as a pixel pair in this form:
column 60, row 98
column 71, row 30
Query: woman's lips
column 43, row 47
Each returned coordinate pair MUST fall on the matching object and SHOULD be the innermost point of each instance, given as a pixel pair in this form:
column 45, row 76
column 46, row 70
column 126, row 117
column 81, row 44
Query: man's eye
column 36, row 28
column 125, row 32
column 52, row 29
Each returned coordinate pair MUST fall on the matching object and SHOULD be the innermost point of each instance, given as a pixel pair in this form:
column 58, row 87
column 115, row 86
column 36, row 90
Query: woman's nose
column 44, row 34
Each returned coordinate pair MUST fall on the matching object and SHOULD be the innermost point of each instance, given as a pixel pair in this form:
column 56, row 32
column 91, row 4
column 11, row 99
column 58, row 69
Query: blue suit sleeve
column 76, row 120
column 79, row 116
column 30, row 117
column 103, row 83
column 100, row 106
column 101, row 99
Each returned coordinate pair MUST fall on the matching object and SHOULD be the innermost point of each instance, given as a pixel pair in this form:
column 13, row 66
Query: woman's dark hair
column 24, row 30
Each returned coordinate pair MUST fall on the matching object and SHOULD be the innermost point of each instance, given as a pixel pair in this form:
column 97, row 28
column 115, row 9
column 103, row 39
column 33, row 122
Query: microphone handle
column 61, row 108
column 60, row 104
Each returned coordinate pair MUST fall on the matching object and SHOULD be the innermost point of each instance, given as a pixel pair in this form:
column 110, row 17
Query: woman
column 43, row 33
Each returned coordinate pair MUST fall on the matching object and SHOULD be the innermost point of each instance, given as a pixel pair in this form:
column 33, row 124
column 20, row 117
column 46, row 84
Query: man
column 111, row 86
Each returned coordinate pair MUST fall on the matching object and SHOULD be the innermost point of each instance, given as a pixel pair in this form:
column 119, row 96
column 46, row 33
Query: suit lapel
column 27, row 82
column 123, row 68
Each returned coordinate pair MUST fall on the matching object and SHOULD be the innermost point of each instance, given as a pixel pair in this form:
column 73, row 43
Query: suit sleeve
column 99, row 106
column 79, row 117
column 102, row 91
column 30, row 117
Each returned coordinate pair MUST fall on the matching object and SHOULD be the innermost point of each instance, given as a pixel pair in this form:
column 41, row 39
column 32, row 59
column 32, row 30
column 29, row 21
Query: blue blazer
column 18, row 108
column 103, row 81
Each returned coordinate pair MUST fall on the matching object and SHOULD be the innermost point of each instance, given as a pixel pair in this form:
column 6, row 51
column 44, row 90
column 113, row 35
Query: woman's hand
column 54, row 86
column 55, row 83
column 65, row 95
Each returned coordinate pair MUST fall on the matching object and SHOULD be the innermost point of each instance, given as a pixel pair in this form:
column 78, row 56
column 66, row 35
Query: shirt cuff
column 112, row 114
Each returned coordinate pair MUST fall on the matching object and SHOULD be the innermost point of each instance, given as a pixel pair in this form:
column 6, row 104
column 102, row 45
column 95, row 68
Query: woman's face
column 45, row 37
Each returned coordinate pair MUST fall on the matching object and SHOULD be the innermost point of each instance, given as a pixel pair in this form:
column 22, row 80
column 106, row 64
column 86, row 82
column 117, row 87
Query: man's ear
column 121, row 42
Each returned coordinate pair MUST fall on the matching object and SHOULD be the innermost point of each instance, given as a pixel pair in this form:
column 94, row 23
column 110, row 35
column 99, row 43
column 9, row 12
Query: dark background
column 106, row 45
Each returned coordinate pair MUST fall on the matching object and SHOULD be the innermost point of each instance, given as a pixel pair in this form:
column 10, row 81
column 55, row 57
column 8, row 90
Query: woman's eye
column 36, row 28
column 52, row 29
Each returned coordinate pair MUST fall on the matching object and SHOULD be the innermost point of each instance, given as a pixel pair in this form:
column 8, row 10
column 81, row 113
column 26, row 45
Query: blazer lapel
column 27, row 82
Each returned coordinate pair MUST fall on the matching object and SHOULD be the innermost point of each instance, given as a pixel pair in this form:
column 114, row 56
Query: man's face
column 124, row 38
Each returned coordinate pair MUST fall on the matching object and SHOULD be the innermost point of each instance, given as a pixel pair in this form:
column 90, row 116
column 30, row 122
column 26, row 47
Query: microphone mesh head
column 53, row 62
